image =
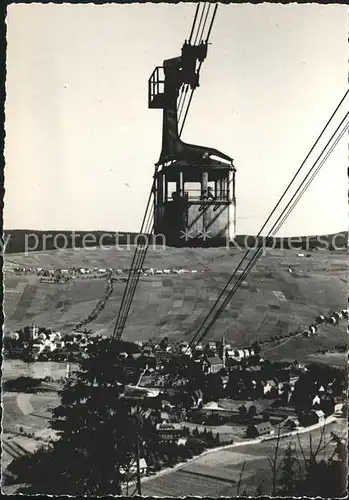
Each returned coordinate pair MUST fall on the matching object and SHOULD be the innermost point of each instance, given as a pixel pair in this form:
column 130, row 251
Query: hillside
column 272, row 302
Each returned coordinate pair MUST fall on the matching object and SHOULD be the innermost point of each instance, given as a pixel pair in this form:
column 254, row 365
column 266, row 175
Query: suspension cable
column 129, row 279
column 277, row 225
column 246, row 271
column 211, row 24
column 185, row 87
column 139, row 256
column 135, row 272
column 181, row 103
column 194, row 22
column 277, row 204
column 134, row 281
column 204, row 24
column 259, row 251
column 199, row 68
column 200, row 22
column 305, row 188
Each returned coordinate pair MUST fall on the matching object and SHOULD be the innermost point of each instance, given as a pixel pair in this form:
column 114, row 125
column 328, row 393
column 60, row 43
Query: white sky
column 78, row 127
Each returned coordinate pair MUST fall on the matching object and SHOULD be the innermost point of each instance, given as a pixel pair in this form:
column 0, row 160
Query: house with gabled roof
column 262, row 429
column 212, row 364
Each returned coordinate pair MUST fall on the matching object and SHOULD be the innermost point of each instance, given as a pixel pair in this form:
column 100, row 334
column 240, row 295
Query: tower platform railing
column 156, row 87
column 196, row 195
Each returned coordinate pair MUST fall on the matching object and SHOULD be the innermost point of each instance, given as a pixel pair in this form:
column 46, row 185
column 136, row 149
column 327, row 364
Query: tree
column 252, row 411
column 274, row 462
column 196, row 432
column 209, row 437
column 242, row 410
column 266, row 416
column 163, row 343
column 324, row 478
column 97, row 430
column 341, row 451
column 307, row 475
column 256, row 347
column 231, row 389
column 214, row 388
column 327, row 406
column 255, row 360
column 287, row 481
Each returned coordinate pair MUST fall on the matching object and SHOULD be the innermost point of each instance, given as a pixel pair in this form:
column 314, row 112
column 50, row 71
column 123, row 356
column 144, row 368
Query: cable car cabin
column 194, row 204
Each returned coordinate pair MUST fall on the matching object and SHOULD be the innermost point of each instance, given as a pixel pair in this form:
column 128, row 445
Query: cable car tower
column 192, row 199
column 194, row 186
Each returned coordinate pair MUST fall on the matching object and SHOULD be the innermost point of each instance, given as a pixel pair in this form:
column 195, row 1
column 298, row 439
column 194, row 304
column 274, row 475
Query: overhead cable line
column 185, row 87
column 181, row 101
column 130, row 276
column 135, row 272
column 203, row 331
column 200, row 23
column 258, row 253
column 199, row 68
column 276, row 205
column 204, row 25
column 315, row 173
column 194, row 22
column 275, row 227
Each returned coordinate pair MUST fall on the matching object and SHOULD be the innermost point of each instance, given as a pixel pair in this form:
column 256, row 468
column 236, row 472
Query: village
column 200, row 397
column 60, row 275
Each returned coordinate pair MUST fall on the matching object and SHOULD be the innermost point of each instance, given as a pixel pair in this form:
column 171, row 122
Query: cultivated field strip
column 180, row 484
column 13, row 449
column 24, row 302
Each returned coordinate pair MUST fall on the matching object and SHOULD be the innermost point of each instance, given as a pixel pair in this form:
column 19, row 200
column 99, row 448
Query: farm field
column 25, row 413
column 217, row 473
column 273, row 301
column 14, row 368
column 29, row 411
